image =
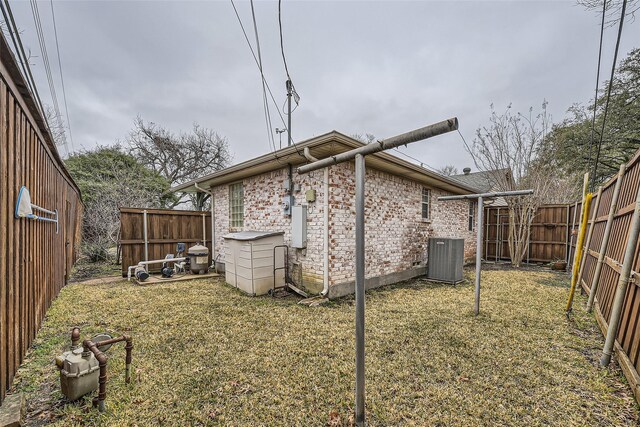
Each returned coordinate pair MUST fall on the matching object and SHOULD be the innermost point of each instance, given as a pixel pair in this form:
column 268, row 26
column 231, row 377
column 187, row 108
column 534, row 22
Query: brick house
column 402, row 212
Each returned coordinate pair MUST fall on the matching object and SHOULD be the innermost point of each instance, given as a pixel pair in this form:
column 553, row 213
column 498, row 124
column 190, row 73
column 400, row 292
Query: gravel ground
column 207, row 355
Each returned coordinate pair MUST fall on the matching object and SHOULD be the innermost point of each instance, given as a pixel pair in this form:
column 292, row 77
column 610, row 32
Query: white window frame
column 472, row 215
column 425, row 192
column 236, row 205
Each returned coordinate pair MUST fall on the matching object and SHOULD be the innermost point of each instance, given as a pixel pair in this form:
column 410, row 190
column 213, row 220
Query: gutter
column 213, row 224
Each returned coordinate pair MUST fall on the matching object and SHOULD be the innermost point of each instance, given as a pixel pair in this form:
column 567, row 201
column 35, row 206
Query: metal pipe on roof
column 375, row 147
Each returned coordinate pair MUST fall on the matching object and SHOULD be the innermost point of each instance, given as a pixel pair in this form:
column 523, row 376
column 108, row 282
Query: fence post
column 623, row 281
column 146, row 239
column 573, row 222
column 594, row 215
column 605, row 239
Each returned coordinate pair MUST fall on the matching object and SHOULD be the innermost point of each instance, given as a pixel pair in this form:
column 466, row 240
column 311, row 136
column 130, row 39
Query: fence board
column 165, row 228
column 34, row 260
column 547, row 234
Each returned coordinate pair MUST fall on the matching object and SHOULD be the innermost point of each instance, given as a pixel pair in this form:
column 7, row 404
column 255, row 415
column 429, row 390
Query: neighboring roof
column 483, row 181
column 322, row 146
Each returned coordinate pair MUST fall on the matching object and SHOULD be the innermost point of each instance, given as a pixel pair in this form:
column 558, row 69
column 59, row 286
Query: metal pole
column 594, row 215
column 479, row 253
column 623, row 281
column 374, row 147
column 605, row 239
column 360, row 266
column 146, row 240
column 486, row 234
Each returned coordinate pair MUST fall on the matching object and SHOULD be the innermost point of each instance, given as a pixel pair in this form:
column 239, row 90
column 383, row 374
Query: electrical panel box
column 446, row 260
column 299, row 227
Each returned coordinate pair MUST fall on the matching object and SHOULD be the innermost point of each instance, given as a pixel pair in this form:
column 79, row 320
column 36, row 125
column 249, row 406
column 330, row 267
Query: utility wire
column 265, row 102
column 606, row 105
column 22, row 57
column 47, row 66
column 255, row 58
column 595, row 99
column 64, row 92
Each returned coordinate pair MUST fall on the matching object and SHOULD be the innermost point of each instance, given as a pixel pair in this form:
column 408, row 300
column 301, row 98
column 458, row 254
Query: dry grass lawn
column 207, row 355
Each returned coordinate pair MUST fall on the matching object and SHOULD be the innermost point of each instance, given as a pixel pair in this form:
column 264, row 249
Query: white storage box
column 249, row 260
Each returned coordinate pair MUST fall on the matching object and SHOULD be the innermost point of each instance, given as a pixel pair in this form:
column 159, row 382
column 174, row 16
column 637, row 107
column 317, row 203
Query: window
column 426, row 203
column 236, row 205
column 472, row 211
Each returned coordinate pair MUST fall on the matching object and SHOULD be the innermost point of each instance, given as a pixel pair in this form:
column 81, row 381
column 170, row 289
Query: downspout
column 325, row 213
column 213, row 224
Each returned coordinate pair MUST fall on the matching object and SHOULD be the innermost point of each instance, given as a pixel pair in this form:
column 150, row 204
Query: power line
column 22, row 57
column 265, row 103
column 64, row 92
column 606, row 105
column 595, row 99
column 255, row 58
column 47, row 66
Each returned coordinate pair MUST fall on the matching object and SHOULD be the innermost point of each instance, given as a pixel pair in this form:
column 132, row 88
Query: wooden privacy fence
column 165, row 228
column 548, row 234
column 628, row 337
column 35, row 261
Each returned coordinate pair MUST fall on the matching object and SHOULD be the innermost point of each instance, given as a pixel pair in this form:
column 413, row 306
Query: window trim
column 232, row 221
column 472, row 215
column 427, row 203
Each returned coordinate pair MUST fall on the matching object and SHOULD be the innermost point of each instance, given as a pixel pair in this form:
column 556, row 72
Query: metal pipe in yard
column 146, row 239
column 605, row 239
column 479, row 254
column 360, row 288
column 623, row 281
column 594, row 215
column 358, row 154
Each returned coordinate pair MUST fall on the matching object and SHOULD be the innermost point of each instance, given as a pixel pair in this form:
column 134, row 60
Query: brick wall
column 263, row 197
column 396, row 234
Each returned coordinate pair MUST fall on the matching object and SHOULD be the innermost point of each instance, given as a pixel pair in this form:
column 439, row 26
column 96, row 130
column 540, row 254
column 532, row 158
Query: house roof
column 483, row 181
column 322, row 146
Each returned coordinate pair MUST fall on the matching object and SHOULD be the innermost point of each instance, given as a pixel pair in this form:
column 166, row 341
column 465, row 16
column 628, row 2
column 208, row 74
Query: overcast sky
column 377, row 67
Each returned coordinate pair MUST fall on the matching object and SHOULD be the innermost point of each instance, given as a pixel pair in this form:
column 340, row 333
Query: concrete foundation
column 342, row 289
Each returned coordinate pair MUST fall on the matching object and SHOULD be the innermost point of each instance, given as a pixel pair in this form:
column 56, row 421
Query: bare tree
column 613, row 10
column 101, row 219
column 56, row 126
column 514, row 141
column 448, row 170
column 367, row 138
column 179, row 157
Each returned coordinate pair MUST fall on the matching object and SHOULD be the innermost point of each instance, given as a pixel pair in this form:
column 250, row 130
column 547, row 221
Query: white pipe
column 325, row 248
column 204, row 231
column 307, row 154
column 213, row 224
column 155, row 261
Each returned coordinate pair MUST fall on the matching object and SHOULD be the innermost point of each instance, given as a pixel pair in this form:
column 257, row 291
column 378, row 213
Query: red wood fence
column 547, row 239
column 35, row 261
column 628, row 338
column 165, row 228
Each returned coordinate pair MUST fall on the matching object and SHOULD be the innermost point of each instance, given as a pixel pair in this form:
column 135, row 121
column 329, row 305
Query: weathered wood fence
column 35, row 261
column 628, row 338
column 548, row 236
column 165, row 228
